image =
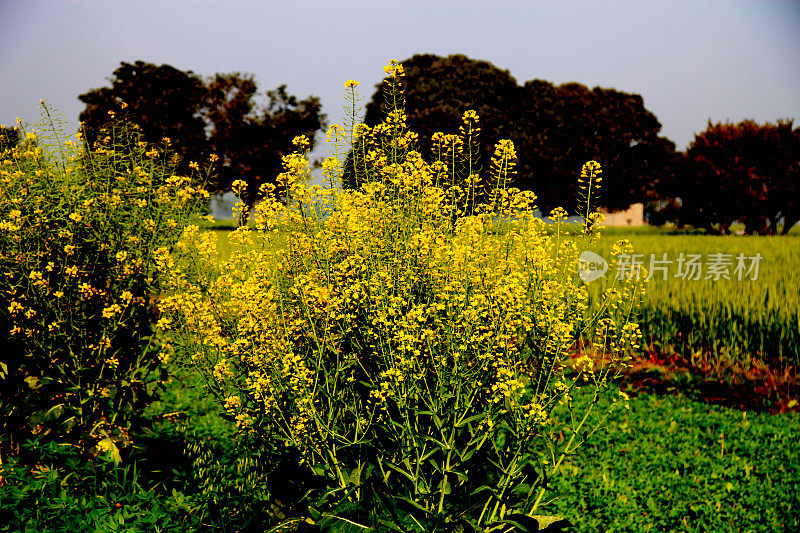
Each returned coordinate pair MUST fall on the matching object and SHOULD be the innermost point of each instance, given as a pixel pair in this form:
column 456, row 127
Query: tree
column 218, row 116
column 554, row 128
column 746, row 172
column 163, row 101
column 561, row 127
column 251, row 140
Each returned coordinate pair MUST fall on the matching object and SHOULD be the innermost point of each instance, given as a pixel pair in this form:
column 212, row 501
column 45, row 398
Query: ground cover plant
column 671, row 463
column 396, row 350
column 666, row 463
column 158, row 487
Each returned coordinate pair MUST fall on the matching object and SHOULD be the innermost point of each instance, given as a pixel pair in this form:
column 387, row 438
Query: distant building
column 633, row 216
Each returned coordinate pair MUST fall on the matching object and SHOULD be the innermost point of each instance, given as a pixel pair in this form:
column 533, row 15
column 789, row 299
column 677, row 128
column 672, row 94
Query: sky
column 692, row 61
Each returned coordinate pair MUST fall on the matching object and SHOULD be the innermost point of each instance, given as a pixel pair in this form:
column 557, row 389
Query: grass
column 724, row 322
column 672, row 463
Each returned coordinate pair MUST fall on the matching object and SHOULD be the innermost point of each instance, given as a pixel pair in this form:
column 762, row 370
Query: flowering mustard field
column 406, row 348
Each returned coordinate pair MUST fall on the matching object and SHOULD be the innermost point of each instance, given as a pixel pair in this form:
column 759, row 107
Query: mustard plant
column 406, row 341
column 81, row 228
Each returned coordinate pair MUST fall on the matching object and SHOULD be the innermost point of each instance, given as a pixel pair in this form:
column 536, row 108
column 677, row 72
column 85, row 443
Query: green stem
column 566, row 450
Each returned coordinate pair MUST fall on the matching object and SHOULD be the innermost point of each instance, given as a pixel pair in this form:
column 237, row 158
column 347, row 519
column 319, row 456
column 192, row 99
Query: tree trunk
column 789, row 220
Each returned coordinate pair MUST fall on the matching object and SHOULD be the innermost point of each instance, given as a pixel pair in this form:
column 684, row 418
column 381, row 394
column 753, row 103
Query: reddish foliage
column 754, row 388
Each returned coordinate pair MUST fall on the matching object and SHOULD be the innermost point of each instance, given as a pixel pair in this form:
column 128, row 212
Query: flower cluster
column 78, row 277
column 408, row 322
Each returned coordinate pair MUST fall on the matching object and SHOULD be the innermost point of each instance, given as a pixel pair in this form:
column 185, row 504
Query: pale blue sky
column 690, row 60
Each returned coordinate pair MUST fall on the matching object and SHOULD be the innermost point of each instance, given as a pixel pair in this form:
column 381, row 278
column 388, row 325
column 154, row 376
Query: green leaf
column 400, row 471
column 462, row 476
column 471, row 419
column 109, row 448
column 467, row 455
column 429, row 453
column 53, row 413
column 485, row 488
column 439, row 443
column 355, row 476
column 414, row 504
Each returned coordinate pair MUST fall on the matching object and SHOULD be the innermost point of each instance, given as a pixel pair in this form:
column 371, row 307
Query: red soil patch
column 755, row 388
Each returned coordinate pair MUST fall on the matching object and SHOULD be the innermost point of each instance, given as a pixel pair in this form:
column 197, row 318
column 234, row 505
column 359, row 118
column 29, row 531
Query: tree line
column 744, row 172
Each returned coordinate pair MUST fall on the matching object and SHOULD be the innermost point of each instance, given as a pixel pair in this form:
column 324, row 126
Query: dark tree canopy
column 162, row 100
column 251, row 139
column 220, row 116
column 746, row 172
column 563, row 126
column 439, row 90
column 555, row 129
column 9, row 138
